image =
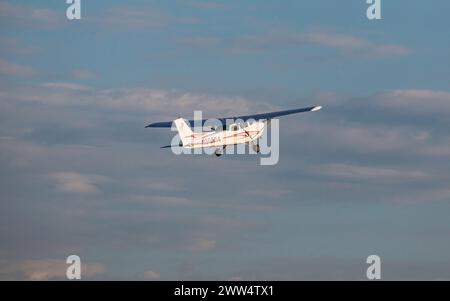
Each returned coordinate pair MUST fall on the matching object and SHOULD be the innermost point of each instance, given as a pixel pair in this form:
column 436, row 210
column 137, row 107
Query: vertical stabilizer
column 184, row 131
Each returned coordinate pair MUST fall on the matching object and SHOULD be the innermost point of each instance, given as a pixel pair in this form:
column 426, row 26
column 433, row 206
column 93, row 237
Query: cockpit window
column 240, row 125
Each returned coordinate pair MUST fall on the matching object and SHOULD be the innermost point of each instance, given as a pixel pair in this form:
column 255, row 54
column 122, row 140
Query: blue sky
column 366, row 175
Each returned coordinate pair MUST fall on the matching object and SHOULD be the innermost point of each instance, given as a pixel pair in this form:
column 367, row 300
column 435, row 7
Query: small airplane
column 244, row 129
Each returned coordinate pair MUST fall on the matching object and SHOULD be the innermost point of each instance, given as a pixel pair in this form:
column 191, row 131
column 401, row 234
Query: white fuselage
column 234, row 134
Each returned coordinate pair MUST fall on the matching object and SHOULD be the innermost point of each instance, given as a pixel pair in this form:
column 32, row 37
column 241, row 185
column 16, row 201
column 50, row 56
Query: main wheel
column 256, row 148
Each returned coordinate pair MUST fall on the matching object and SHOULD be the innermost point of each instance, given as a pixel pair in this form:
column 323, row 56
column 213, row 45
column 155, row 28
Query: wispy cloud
column 133, row 18
column 45, row 269
column 122, row 18
column 424, row 102
column 82, row 74
column 370, row 138
column 9, row 45
column 171, row 201
column 13, row 69
column 202, row 4
column 351, row 43
column 152, row 275
column 204, row 245
column 76, row 183
column 65, row 86
column 344, row 43
column 156, row 101
column 24, row 15
column 358, row 172
column 143, row 18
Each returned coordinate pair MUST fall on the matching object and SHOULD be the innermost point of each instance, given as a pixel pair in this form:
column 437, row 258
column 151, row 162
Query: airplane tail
column 184, row 131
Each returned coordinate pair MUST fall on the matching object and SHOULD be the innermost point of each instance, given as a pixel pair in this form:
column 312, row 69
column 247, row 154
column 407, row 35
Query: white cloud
column 163, row 200
column 118, row 17
column 268, row 192
column 416, row 100
column 14, row 46
column 274, row 39
column 76, row 183
column 45, row 15
column 206, row 4
column 423, row 195
column 133, row 18
column 350, row 43
column 358, row 172
column 66, row 86
column 13, row 69
column 204, row 245
column 366, row 138
column 392, row 129
column 25, row 15
column 168, row 103
column 152, row 275
column 81, row 74
column 46, row 269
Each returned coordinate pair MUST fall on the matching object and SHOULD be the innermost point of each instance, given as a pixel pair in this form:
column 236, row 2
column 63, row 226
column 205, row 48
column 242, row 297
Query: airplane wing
column 262, row 116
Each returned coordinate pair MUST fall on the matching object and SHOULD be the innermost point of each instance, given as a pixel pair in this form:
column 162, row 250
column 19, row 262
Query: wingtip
column 166, row 124
column 316, row 108
column 152, row 125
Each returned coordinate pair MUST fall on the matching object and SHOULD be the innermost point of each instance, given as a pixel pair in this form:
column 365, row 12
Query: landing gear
column 219, row 151
column 256, row 148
